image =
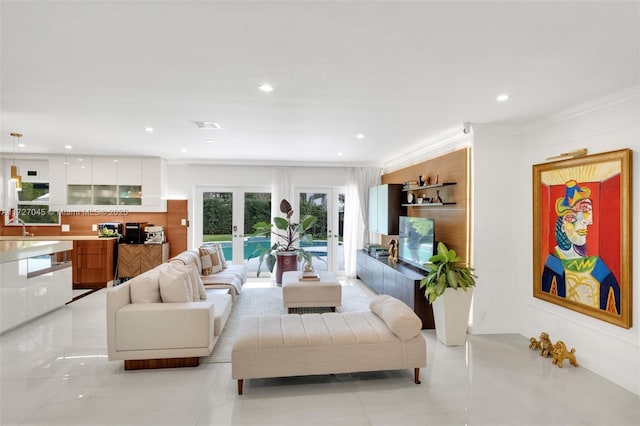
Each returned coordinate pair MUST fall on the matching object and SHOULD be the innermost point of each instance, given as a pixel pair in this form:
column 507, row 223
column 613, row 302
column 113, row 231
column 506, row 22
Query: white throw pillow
column 197, row 286
column 191, row 279
column 223, row 261
column 397, row 315
column 145, row 288
column 174, row 287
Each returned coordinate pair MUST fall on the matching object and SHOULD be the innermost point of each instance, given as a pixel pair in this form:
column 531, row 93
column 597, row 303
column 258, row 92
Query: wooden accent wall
column 175, row 232
column 452, row 221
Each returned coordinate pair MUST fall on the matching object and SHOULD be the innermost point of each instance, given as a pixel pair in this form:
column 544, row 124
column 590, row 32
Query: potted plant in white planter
column 286, row 250
column 448, row 287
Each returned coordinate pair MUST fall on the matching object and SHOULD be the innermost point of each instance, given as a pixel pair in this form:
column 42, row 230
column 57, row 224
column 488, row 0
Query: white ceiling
column 94, row 74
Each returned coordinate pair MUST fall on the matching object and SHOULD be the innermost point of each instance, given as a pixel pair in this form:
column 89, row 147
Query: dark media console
column 395, row 279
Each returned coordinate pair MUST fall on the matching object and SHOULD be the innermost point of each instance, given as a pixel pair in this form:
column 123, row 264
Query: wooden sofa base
column 416, row 380
column 144, row 364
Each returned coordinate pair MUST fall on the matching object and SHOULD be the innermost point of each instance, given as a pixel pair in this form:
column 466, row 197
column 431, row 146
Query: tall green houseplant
column 446, row 270
column 289, row 234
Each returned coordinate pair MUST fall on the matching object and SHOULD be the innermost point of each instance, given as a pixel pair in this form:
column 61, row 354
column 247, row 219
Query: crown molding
column 446, row 142
column 584, row 108
column 262, row 163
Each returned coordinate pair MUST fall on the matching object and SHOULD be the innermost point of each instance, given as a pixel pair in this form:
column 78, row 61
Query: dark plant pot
column 287, row 261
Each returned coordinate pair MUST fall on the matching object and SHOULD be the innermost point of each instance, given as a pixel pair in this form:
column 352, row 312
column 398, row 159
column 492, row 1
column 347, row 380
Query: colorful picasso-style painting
column 582, row 235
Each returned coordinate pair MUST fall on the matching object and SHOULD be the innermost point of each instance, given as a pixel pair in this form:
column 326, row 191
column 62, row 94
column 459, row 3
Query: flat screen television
column 416, row 240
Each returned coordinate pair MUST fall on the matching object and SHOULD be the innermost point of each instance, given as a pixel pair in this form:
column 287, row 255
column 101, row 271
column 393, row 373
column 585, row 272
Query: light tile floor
column 54, row 371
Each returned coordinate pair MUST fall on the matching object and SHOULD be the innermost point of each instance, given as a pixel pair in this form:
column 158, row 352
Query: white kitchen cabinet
column 153, row 185
column 79, row 171
column 57, row 183
column 130, row 171
column 104, row 171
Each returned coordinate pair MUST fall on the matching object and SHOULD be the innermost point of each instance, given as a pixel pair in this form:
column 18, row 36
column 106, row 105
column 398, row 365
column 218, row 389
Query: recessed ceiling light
column 502, row 98
column 206, row 125
column 148, row 129
column 360, row 136
column 68, row 147
column 209, row 140
column 184, row 150
column 339, row 154
column 80, row 159
column 266, row 87
column 21, row 145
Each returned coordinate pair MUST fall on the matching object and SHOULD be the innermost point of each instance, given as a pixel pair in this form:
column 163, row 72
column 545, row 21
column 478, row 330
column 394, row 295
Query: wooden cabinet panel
column 128, row 260
column 93, row 262
column 135, row 259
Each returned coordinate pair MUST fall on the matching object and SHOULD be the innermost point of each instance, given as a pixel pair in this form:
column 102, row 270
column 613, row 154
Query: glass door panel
column 217, row 220
column 228, row 216
column 257, row 208
column 315, row 204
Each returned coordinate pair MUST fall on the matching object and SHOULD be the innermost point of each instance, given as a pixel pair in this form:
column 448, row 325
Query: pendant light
column 14, row 168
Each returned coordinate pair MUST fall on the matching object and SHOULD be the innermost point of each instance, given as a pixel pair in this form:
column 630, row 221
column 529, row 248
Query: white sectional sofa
column 150, row 324
column 231, row 277
column 386, row 338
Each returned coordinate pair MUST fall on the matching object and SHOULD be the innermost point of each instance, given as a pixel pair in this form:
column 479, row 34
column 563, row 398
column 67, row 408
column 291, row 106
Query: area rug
column 268, row 301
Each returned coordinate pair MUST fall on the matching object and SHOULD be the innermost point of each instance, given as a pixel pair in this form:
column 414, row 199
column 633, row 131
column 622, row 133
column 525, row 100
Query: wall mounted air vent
column 206, row 125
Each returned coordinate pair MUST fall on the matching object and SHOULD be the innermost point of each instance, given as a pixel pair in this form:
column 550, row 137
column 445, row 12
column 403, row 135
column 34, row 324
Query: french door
column 227, row 216
column 327, row 204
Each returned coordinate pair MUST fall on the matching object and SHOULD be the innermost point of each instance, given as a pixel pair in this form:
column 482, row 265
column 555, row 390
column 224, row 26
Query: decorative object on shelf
column 447, row 275
column 438, row 198
column 285, row 250
column 582, row 239
column 560, row 353
column 407, row 185
column 422, row 180
column 436, row 180
column 420, row 200
column 393, row 251
column 410, row 197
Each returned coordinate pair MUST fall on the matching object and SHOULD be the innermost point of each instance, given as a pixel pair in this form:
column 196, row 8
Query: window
column 33, row 205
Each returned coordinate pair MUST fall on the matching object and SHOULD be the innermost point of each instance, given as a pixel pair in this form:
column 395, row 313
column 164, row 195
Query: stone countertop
column 56, row 238
column 12, row 250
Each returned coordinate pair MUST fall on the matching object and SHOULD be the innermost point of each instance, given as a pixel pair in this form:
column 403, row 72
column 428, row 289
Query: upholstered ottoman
column 327, row 291
column 386, row 338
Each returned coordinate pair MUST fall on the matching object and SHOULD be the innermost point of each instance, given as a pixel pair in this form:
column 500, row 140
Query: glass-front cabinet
column 129, row 195
column 105, row 195
column 80, row 195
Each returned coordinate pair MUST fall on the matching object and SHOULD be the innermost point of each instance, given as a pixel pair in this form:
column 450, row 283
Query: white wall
column 499, row 222
column 503, row 233
column 182, row 179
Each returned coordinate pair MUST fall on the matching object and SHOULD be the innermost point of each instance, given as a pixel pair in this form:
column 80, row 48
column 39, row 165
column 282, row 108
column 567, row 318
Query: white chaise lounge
column 386, row 338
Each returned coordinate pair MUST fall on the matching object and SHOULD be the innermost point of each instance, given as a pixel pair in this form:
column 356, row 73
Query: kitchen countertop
column 12, row 250
column 56, row 238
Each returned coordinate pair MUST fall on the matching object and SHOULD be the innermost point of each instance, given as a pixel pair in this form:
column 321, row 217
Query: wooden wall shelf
column 437, row 185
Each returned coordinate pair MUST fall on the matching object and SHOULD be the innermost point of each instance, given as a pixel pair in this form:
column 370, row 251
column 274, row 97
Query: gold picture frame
column 582, row 239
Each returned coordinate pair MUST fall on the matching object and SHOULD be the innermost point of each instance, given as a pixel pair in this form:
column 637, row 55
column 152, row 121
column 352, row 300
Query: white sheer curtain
column 356, row 213
column 281, row 187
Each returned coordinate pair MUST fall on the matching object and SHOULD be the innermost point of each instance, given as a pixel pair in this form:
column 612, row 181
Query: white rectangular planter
column 451, row 315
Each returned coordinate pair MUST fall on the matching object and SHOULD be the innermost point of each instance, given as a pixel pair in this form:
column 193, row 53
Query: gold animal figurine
column 534, row 344
column 393, row 250
column 560, row 353
column 546, row 347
